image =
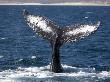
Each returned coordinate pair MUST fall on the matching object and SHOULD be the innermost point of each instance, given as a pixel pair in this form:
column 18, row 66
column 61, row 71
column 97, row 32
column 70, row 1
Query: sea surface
column 26, row 57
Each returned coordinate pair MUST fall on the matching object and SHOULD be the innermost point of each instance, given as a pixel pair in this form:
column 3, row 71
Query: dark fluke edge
column 57, row 36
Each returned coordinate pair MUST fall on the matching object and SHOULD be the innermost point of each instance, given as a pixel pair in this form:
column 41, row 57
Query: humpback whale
column 56, row 35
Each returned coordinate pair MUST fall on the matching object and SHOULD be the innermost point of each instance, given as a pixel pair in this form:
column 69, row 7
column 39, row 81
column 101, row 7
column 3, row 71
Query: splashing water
column 71, row 73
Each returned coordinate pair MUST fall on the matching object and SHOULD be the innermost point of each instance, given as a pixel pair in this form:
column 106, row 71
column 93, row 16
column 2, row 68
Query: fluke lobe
column 57, row 36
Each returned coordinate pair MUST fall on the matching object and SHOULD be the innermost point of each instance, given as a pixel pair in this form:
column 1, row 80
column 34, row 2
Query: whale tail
column 57, row 36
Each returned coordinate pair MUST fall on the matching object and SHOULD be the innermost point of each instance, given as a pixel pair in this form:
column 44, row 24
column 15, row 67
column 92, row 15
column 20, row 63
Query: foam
column 20, row 59
column 86, row 17
column 1, row 56
column 43, row 72
column 3, row 38
column 33, row 57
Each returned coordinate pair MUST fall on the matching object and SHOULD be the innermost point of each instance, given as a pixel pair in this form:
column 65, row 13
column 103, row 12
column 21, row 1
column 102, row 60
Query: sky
column 49, row 1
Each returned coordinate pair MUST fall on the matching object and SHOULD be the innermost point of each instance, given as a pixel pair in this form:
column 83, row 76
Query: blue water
column 21, row 47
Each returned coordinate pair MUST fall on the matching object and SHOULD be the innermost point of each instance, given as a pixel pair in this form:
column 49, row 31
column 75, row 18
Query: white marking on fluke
column 39, row 22
column 83, row 29
column 80, row 31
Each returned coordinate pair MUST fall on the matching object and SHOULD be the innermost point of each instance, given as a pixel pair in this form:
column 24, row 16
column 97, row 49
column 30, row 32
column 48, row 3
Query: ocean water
column 26, row 57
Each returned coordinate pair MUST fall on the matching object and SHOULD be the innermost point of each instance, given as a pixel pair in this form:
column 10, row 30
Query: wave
column 1, row 56
column 70, row 72
column 86, row 17
column 2, row 38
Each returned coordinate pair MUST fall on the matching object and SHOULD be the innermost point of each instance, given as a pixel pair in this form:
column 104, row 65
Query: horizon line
column 65, row 4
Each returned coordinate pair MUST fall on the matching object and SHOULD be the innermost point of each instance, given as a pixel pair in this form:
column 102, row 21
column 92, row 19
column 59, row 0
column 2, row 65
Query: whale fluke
column 57, row 36
column 76, row 32
column 42, row 26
